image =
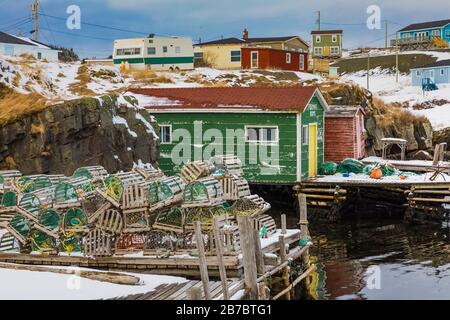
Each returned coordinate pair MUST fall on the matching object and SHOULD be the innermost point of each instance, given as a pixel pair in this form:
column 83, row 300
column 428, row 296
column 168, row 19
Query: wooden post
column 283, row 224
column 303, row 214
column 259, row 255
column 202, row 259
column 283, row 256
column 248, row 252
column 194, row 294
column 219, row 252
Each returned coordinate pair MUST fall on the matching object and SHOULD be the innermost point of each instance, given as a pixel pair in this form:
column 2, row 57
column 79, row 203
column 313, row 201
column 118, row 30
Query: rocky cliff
column 109, row 131
column 382, row 121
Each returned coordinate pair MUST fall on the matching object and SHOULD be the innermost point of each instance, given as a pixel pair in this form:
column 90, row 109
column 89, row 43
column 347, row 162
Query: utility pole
column 318, row 20
column 368, row 70
column 35, row 10
column 386, row 32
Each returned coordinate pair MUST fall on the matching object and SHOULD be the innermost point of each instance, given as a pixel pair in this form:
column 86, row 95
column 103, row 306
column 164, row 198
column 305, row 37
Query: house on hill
column 423, row 36
column 344, row 133
column 326, row 48
column 15, row 46
column 431, row 74
column 154, row 52
column 278, row 133
column 226, row 53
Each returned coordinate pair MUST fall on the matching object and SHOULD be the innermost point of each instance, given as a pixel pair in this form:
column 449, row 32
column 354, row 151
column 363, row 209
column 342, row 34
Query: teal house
column 278, row 133
column 424, row 35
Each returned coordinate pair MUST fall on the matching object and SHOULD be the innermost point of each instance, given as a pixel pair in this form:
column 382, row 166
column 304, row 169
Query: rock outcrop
column 109, row 131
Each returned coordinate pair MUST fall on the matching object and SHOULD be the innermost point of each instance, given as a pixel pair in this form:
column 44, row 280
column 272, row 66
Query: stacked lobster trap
column 93, row 213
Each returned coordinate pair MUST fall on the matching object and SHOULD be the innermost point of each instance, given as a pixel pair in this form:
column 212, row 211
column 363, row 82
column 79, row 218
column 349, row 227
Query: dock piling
column 249, row 257
column 219, row 252
column 202, row 258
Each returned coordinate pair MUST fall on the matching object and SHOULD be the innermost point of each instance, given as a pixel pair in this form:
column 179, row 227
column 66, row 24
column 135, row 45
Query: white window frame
column 234, row 56
column 288, row 57
column 301, row 61
column 320, row 53
column 334, row 38
column 318, row 39
column 305, row 135
column 251, row 60
column 170, row 133
column 337, row 51
column 260, row 128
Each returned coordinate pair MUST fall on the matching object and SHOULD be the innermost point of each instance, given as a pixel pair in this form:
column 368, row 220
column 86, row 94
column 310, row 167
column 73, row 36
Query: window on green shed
column 165, row 134
column 235, row 55
column 305, row 135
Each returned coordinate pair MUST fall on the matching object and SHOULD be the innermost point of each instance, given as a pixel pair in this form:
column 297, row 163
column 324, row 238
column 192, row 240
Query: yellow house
column 226, row 53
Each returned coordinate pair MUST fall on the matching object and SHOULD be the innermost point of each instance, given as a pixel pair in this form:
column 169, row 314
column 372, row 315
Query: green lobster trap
column 75, row 221
column 43, row 243
column 171, row 220
column 206, row 216
column 206, row 192
column 20, row 228
column 29, row 206
column 228, row 165
column 9, row 199
column 68, row 193
column 49, row 223
column 164, row 192
column 71, row 243
column 93, row 173
column 115, row 185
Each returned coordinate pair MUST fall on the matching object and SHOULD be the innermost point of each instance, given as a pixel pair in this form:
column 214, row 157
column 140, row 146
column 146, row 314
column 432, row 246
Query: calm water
column 411, row 261
column 380, row 258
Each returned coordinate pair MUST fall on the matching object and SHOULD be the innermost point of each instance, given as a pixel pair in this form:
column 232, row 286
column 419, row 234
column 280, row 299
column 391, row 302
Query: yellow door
column 312, row 150
column 326, row 51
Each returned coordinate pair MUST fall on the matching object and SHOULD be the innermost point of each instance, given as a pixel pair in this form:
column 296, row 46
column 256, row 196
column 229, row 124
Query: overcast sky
column 212, row 19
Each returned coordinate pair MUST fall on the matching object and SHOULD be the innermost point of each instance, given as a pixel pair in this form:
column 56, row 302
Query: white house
column 157, row 53
column 15, row 46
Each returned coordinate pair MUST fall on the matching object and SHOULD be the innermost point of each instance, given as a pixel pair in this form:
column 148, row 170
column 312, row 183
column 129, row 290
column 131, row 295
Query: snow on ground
column 32, row 285
column 364, row 178
column 439, row 55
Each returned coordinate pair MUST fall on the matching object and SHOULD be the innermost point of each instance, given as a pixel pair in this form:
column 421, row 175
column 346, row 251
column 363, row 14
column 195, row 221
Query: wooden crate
column 134, row 196
column 234, row 188
column 194, row 171
column 97, row 243
column 110, row 221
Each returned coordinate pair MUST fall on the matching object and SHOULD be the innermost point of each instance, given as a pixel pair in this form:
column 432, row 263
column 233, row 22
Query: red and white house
column 268, row 58
column 344, row 133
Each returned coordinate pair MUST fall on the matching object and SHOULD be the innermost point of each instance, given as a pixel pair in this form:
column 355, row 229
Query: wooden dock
column 410, row 165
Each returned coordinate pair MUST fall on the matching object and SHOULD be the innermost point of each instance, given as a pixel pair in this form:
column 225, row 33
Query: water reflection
column 413, row 260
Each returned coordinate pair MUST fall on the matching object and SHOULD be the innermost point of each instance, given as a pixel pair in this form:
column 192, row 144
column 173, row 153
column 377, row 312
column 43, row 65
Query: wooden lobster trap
column 43, row 243
column 164, row 192
column 234, row 188
column 115, row 185
column 75, row 221
column 228, row 164
column 29, row 206
column 71, row 192
column 93, row 173
column 149, row 172
column 7, row 179
column 8, row 243
column 206, row 216
column 97, row 243
column 129, row 244
column 159, row 243
column 49, row 222
column 170, row 220
column 195, row 170
column 20, row 228
column 110, row 221
column 205, row 192
column 266, row 223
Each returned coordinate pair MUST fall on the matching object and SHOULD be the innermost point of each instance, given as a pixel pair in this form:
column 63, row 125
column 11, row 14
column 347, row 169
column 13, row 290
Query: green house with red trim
column 278, row 133
column 155, row 53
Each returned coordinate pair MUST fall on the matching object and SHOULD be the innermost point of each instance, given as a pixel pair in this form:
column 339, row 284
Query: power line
column 16, row 20
column 77, row 35
column 48, row 25
column 96, row 25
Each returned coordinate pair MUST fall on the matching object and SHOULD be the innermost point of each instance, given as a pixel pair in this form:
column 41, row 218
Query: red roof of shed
column 283, row 99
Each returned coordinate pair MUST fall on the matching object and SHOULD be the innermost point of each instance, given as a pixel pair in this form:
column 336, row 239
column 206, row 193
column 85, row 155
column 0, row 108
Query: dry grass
column 147, row 76
column 15, row 106
column 80, row 88
column 393, row 115
column 27, row 56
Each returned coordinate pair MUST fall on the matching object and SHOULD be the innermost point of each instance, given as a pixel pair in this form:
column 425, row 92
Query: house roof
column 441, row 63
column 242, row 98
column 426, row 25
column 326, row 31
column 222, row 41
column 250, row 40
column 7, row 38
column 343, row 111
